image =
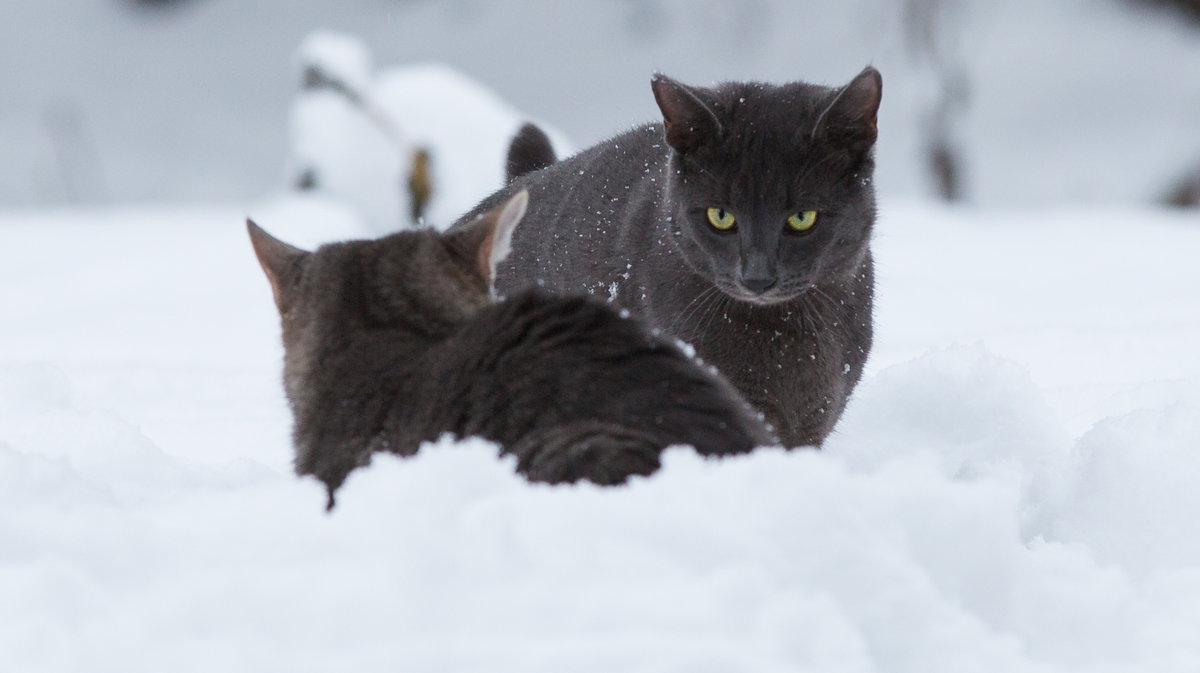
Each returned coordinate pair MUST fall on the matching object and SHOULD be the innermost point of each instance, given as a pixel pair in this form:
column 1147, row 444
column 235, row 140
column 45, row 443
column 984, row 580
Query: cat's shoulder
column 621, row 157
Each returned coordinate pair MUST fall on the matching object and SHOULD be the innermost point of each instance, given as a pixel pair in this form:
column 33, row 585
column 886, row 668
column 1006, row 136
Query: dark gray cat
column 393, row 342
column 741, row 225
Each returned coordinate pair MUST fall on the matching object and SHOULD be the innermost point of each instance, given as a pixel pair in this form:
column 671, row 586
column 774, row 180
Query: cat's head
column 408, row 289
column 770, row 187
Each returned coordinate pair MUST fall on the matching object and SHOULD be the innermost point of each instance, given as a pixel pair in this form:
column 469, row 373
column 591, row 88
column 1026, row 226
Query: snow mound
column 1132, row 491
column 909, row 557
column 355, row 133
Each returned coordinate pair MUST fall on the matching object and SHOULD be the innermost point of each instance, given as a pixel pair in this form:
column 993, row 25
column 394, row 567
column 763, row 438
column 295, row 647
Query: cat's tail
column 602, row 453
column 529, row 151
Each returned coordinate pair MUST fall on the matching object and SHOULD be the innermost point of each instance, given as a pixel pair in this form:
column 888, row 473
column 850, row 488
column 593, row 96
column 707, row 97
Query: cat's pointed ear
column 689, row 123
column 488, row 240
column 850, row 118
column 500, row 243
column 282, row 263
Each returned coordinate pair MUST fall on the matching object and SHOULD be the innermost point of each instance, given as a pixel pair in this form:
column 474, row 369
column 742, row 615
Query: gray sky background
column 1062, row 100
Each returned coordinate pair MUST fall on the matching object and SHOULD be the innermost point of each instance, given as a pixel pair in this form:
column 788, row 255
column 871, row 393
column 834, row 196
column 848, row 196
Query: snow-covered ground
column 1012, row 489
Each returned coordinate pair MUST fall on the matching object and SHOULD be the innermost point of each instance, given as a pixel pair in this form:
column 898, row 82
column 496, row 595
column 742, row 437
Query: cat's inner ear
column 688, row 122
column 850, row 119
column 282, row 263
column 488, row 240
column 499, row 244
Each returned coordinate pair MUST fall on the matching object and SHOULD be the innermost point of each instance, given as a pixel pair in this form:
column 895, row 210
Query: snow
column 340, row 56
column 362, row 155
column 1012, row 487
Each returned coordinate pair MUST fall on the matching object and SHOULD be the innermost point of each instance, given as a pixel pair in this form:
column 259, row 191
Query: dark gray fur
column 530, row 150
column 785, row 317
column 394, row 342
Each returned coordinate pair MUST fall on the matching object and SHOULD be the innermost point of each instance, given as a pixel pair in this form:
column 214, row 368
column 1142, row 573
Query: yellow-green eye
column 803, row 220
column 720, row 219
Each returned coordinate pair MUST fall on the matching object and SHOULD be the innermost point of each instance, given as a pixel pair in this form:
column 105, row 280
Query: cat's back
column 611, row 166
column 560, row 336
column 575, row 236
column 555, row 359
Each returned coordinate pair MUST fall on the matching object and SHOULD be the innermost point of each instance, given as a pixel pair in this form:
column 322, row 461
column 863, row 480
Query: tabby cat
column 394, row 342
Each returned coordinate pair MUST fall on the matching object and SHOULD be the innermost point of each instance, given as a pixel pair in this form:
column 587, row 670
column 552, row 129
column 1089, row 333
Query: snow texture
column 1012, row 487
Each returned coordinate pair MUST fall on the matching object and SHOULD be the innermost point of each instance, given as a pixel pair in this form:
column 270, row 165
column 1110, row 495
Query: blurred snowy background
column 1013, row 487
column 1022, row 102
